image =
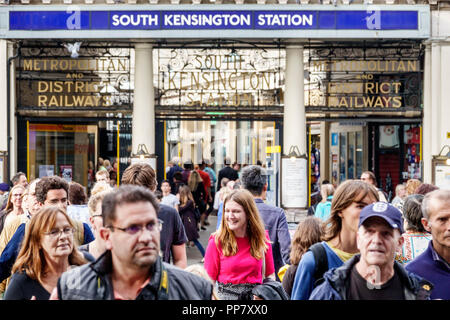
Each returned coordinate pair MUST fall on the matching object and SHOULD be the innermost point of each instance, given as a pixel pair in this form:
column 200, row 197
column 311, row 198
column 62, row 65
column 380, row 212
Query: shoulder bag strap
column 263, row 266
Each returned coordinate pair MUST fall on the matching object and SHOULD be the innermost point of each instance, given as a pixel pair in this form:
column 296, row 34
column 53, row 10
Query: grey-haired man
column 374, row 274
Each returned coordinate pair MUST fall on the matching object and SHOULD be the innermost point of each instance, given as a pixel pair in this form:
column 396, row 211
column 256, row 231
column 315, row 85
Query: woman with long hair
column 197, row 188
column 47, row 251
column 309, row 232
column 187, row 213
column 13, row 205
column 339, row 240
column 239, row 254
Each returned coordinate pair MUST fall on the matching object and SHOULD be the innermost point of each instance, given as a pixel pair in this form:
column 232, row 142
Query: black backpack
column 321, row 262
column 270, row 290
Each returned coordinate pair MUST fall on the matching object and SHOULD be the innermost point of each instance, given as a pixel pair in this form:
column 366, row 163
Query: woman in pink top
column 236, row 252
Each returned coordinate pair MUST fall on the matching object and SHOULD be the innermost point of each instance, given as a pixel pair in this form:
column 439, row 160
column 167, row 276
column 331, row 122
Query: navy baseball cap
column 4, row 187
column 384, row 210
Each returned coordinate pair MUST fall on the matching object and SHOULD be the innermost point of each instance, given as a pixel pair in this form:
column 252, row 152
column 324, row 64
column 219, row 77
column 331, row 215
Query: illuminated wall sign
column 97, row 82
column 368, row 79
column 220, row 77
column 214, row 19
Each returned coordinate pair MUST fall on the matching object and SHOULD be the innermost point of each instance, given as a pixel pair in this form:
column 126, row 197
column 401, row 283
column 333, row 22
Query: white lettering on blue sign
column 374, row 20
column 285, row 20
column 135, row 20
column 73, row 22
column 199, row 20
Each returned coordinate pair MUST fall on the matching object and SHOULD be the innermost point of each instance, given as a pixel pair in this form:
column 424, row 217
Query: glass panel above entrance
column 244, row 142
column 204, row 81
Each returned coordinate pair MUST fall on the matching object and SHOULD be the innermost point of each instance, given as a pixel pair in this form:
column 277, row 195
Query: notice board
column 294, row 182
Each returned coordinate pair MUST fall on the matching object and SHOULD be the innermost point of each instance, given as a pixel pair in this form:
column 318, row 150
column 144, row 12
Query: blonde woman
column 47, row 251
column 240, row 250
column 198, row 190
column 13, row 205
column 411, row 186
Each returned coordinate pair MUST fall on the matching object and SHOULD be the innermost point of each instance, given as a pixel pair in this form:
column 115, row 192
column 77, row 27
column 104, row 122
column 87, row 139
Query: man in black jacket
column 131, row 268
column 227, row 172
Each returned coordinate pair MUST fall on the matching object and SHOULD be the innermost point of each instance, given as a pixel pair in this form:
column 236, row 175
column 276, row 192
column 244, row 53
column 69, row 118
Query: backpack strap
column 321, row 262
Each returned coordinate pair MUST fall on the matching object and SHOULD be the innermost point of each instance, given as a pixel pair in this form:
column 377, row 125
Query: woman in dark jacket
column 197, row 188
column 187, row 213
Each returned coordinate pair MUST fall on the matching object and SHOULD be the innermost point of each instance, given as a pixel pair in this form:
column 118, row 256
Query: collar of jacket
column 158, row 286
column 415, row 287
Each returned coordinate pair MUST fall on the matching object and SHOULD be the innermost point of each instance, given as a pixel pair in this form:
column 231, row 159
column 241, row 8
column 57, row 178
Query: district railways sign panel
column 311, row 21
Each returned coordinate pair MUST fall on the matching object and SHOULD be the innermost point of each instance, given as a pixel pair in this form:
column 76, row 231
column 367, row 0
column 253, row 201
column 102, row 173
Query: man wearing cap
column 374, row 274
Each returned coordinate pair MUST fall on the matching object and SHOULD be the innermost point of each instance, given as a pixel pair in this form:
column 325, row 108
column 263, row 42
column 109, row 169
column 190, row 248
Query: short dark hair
column 412, row 212
column 15, row 179
column 178, row 176
column 254, row 178
column 140, row 174
column 50, row 183
column 125, row 194
column 165, row 180
column 77, row 193
column 371, row 176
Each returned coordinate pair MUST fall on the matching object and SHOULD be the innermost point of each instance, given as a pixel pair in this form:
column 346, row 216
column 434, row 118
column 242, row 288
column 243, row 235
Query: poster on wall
column 442, row 177
column 294, row 182
column 389, row 137
column 46, row 170
column 66, row 172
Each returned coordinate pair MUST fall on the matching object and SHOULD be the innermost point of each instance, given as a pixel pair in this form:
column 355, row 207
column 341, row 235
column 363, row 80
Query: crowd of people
column 62, row 241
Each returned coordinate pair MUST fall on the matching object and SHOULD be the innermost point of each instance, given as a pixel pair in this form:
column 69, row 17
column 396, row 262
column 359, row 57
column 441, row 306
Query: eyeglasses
column 56, row 233
column 134, row 229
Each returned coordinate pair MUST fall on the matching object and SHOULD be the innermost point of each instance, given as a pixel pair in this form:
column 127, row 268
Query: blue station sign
column 213, row 20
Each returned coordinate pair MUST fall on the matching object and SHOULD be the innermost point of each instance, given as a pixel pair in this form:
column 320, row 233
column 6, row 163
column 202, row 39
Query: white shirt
column 170, row 200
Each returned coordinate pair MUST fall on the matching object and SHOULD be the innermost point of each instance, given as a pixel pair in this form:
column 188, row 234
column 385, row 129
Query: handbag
column 269, row 289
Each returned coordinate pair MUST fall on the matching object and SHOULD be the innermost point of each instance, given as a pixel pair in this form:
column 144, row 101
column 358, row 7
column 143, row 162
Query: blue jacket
column 304, row 277
column 219, row 216
column 275, row 222
column 337, row 282
column 323, row 209
column 432, row 267
column 12, row 249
